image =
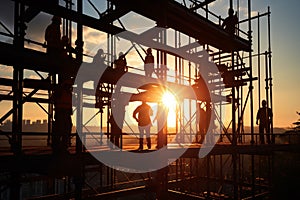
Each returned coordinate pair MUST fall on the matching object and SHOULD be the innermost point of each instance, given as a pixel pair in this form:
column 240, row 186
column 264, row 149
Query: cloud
column 6, row 71
column 254, row 13
column 4, row 90
column 93, row 40
column 7, row 13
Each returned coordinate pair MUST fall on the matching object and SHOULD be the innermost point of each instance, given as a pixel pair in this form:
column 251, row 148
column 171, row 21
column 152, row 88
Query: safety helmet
column 100, row 51
column 230, row 11
column 149, row 50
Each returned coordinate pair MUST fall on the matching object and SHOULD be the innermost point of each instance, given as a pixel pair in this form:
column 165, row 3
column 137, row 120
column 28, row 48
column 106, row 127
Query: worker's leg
column 147, row 129
column 268, row 134
column 261, row 134
column 141, row 129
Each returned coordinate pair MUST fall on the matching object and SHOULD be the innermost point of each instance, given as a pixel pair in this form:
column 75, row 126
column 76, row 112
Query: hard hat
column 100, row 51
column 230, row 11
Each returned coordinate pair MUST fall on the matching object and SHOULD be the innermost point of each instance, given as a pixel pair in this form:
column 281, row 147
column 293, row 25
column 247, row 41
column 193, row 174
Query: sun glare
column 169, row 100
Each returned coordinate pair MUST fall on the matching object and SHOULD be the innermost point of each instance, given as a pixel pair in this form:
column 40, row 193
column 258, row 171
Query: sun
column 169, row 100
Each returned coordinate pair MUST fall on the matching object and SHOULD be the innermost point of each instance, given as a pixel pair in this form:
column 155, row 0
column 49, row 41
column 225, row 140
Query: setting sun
column 169, row 100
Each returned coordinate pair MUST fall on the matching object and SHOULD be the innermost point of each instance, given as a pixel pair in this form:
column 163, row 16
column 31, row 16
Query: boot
column 141, row 144
column 149, row 143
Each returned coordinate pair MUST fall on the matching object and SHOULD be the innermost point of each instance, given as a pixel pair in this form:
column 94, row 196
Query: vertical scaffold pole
column 251, row 72
column 258, row 59
column 234, row 138
column 267, row 77
column 79, row 179
column 270, row 73
column 251, row 97
column 16, row 141
column 19, row 33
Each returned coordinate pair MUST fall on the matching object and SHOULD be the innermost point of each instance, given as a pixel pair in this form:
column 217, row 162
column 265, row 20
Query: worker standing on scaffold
column 115, row 132
column 264, row 117
column 53, row 38
column 230, row 22
column 121, row 63
column 62, row 98
column 149, row 63
column 144, row 112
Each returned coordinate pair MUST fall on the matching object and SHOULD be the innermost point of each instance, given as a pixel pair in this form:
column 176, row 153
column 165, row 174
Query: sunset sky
column 285, row 42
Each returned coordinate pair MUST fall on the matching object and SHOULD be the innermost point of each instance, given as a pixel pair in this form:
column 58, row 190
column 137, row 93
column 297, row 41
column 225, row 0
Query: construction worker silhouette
column 230, row 22
column 144, row 111
column 201, row 119
column 62, row 98
column 53, row 37
column 67, row 49
column 149, row 63
column 121, row 63
column 99, row 60
column 116, row 132
column 263, row 119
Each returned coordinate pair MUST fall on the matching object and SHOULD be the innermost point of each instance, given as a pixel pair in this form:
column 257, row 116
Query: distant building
column 27, row 126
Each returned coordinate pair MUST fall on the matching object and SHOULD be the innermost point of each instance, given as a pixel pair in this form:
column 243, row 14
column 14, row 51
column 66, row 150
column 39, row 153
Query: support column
column 270, row 74
column 19, row 34
column 79, row 178
column 17, row 117
column 52, row 81
column 251, row 73
column 234, row 136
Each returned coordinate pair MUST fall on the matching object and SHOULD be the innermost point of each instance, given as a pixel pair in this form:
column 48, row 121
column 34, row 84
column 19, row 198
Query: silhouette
column 59, row 50
column 149, row 63
column 116, row 132
column 99, row 59
column 121, row 63
column 67, row 49
column 79, row 48
column 230, row 22
column 53, row 37
column 201, row 124
column 144, row 112
column 264, row 116
column 62, row 99
column 116, row 120
column 297, row 124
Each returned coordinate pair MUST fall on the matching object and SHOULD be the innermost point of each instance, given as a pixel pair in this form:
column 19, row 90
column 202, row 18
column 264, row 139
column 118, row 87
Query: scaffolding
column 196, row 59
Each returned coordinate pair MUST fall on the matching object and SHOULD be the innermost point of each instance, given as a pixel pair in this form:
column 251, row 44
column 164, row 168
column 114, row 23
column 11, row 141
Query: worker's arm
column 257, row 117
column 134, row 114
